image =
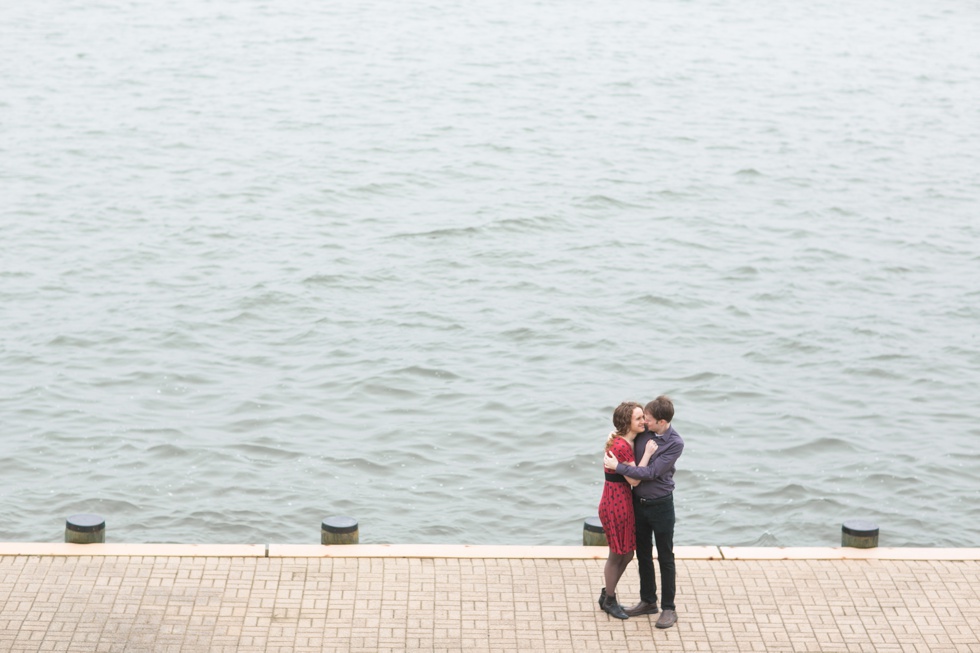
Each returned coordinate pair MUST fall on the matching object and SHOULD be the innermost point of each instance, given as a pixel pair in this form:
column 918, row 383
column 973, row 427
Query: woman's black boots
column 613, row 608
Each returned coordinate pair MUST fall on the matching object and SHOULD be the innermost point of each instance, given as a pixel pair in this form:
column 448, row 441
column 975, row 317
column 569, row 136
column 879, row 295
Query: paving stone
column 119, row 603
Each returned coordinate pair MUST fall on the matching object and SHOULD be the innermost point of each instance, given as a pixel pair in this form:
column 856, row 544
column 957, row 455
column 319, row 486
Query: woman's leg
column 616, row 565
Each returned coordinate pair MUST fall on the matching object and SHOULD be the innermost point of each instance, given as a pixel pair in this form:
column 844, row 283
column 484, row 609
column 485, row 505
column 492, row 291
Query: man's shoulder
column 674, row 436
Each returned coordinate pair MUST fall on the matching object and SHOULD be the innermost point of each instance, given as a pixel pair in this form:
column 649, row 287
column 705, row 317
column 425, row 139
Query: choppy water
column 268, row 262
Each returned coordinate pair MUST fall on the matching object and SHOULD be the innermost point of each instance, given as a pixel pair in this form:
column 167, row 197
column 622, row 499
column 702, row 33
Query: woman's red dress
column 616, row 506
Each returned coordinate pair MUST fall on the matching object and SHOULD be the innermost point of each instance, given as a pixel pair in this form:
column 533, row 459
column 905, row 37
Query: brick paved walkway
column 512, row 600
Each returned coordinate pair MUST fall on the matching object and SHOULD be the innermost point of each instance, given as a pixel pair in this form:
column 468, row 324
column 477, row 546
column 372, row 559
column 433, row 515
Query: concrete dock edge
column 463, row 551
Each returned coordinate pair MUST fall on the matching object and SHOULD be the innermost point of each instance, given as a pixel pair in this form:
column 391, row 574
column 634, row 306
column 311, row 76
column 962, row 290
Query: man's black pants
column 655, row 523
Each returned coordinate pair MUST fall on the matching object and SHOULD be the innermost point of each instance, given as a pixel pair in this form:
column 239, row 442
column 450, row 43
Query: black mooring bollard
column 593, row 534
column 859, row 534
column 339, row 530
column 85, row 529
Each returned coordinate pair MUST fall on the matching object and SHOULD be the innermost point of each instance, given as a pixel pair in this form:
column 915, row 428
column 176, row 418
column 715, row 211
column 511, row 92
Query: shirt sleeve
column 622, row 451
column 661, row 463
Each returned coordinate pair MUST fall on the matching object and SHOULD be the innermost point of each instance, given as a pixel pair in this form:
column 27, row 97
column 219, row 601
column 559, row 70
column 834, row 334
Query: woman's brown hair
column 622, row 417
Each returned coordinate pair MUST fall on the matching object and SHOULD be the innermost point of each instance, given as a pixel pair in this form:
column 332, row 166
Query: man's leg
column 668, row 571
column 644, row 554
column 663, row 532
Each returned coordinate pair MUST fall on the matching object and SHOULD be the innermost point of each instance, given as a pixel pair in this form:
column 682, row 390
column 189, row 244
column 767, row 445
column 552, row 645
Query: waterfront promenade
column 299, row 598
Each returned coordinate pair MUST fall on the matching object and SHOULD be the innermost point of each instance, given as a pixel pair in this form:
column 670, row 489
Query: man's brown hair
column 661, row 408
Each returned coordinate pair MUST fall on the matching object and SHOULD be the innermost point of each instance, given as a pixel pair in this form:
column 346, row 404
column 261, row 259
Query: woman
column 616, row 505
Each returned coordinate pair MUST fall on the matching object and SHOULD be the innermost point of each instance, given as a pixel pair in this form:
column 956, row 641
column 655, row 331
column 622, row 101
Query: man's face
column 653, row 424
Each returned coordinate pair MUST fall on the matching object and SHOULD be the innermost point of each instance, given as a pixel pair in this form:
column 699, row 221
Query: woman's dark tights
column 616, row 564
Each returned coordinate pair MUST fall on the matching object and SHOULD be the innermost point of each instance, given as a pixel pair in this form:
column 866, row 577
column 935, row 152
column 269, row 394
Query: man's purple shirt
column 657, row 478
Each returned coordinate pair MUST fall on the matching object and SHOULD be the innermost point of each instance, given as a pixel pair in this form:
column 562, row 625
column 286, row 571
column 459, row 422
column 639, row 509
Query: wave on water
column 605, row 202
column 824, row 446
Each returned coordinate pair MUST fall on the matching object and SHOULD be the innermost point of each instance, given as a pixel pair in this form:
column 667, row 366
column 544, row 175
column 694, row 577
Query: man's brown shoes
column 667, row 619
column 642, row 608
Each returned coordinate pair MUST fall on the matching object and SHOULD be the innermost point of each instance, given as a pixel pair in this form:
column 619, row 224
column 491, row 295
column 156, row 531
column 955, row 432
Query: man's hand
column 610, row 461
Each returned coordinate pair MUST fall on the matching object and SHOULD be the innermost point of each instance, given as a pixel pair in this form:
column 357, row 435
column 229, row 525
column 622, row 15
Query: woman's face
column 637, row 423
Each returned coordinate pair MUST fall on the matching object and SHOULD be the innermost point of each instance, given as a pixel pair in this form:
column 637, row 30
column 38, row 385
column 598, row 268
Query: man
column 653, row 506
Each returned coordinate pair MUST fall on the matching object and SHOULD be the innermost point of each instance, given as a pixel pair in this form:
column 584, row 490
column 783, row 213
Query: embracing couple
column 637, row 505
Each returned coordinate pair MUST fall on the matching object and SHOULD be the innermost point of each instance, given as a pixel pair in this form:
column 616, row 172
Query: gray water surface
column 264, row 263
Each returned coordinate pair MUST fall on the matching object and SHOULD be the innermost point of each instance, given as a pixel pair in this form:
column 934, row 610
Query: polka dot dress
column 616, row 506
